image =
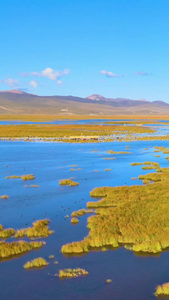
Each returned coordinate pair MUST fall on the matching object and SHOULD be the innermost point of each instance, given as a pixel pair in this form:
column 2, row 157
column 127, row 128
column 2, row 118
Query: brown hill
column 18, row 102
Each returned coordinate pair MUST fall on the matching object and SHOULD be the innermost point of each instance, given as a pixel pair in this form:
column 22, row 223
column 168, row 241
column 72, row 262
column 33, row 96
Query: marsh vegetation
column 8, row 250
column 68, row 182
column 162, row 290
column 129, row 215
column 4, row 197
column 39, row 229
column 23, row 177
column 36, row 263
column 81, row 212
column 72, row 273
column 74, row 221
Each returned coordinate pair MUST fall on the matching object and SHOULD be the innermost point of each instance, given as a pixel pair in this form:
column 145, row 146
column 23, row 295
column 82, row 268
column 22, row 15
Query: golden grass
column 120, row 152
column 23, row 177
column 162, row 290
column 162, row 149
column 28, row 177
column 17, row 248
column 109, row 158
column 6, row 233
column 133, row 216
column 74, row 221
column 36, row 263
column 109, row 280
column 86, row 133
column 81, row 212
column 4, row 197
column 39, row 229
column 72, row 273
column 148, row 167
column 13, row 177
column 68, row 182
column 58, row 131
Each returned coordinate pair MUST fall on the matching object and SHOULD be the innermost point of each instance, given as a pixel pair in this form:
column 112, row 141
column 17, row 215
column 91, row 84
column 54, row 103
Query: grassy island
column 4, row 197
column 133, row 216
column 162, row 290
column 68, row 182
column 23, row 177
column 17, row 248
column 81, row 212
column 74, row 221
column 72, row 273
column 36, row 263
column 6, row 233
column 39, row 229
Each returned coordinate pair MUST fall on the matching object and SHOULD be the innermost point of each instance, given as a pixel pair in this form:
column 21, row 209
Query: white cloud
column 59, row 82
column 33, row 83
column 50, row 73
column 109, row 74
column 11, row 82
column 141, row 73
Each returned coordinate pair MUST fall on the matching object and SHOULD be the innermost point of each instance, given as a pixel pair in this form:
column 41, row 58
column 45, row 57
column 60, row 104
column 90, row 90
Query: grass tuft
column 36, row 263
column 68, row 182
column 72, row 273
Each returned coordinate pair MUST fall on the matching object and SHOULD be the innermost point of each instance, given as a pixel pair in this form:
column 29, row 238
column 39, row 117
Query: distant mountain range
column 19, row 102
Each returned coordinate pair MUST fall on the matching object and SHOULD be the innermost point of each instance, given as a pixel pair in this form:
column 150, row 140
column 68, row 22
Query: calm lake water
column 133, row 277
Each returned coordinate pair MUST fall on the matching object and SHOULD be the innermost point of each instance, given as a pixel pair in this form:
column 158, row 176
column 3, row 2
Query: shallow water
column 66, row 121
column 133, row 277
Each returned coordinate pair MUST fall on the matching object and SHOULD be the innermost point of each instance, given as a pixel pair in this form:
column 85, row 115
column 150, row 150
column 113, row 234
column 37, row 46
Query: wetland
column 121, row 218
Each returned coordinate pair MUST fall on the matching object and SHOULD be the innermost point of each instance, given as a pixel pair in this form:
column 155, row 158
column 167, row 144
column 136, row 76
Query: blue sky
column 116, row 48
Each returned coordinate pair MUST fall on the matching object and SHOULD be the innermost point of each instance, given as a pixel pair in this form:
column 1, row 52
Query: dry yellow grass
column 134, row 216
column 72, row 273
column 68, row 182
column 36, row 263
column 18, row 248
column 162, row 290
